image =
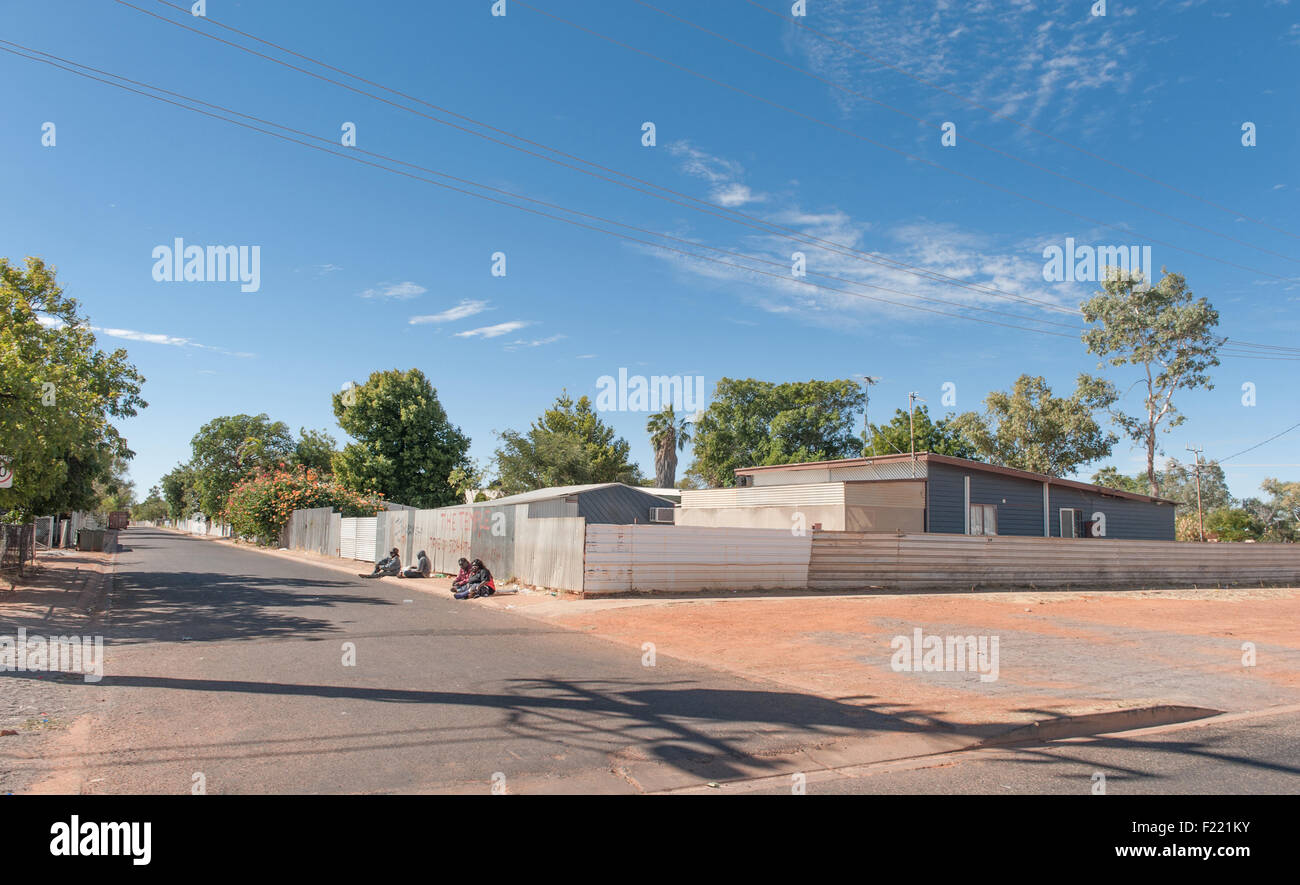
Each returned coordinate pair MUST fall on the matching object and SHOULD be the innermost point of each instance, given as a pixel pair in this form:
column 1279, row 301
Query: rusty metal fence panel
column 17, row 547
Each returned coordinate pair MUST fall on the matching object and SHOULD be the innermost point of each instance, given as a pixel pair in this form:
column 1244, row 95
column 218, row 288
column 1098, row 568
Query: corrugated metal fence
column 544, row 551
column 316, row 530
column 564, row 552
column 672, row 558
column 861, row 561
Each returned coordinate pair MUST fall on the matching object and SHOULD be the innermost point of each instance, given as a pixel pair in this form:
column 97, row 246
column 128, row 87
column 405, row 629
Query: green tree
column 152, row 508
column 942, row 437
column 179, row 492
column 227, row 449
column 1167, row 334
column 668, row 435
column 314, row 450
column 1284, row 507
column 1233, row 524
column 1111, row 478
column 567, row 445
column 753, row 423
column 470, row 477
column 114, row 489
column 58, row 393
column 1178, row 483
column 1029, row 429
column 405, row 446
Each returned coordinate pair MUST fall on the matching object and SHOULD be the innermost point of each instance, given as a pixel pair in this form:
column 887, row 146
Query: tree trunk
column 666, row 462
column 1152, row 482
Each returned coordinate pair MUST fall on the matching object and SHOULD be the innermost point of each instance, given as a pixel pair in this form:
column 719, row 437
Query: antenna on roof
column 867, row 381
column 912, row 398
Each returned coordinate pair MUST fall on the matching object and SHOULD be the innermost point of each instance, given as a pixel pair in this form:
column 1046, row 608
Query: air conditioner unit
column 662, row 514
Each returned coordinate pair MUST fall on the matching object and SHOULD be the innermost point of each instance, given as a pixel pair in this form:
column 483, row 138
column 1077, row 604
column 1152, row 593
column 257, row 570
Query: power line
column 785, row 277
column 756, row 223
column 1257, row 445
column 514, row 195
column 1027, row 127
column 61, row 63
column 766, row 226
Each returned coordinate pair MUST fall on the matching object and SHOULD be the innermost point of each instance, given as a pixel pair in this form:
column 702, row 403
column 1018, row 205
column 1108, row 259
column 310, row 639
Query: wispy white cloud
column 724, row 175
column 1051, row 53
column 868, row 289
column 146, row 337
column 459, row 312
column 395, row 292
column 536, row 342
column 494, row 331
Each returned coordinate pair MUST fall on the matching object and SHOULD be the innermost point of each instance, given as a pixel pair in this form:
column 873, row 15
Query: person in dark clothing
column 389, row 566
column 422, row 568
column 480, row 582
column 463, row 577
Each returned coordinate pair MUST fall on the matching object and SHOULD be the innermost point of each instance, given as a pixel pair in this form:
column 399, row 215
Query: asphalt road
column 226, row 666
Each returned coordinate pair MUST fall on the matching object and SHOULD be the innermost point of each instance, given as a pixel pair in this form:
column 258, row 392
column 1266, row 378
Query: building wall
column 1125, row 518
column 885, row 506
column 769, row 516
column 837, row 506
column 1020, row 506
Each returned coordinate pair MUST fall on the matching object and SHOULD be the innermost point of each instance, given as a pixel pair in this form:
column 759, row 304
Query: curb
column 1088, row 724
column 424, row 585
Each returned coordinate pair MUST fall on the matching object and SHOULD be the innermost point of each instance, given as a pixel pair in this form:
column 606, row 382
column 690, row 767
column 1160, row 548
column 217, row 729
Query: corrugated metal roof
column 618, row 505
column 544, row 494
column 891, row 464
column 796, row 495
column 609, row 502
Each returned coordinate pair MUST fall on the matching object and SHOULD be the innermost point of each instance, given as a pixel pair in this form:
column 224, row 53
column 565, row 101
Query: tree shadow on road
column 710, row 732
column 214, row 606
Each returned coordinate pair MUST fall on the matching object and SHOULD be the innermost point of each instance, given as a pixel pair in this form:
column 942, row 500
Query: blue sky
column 350, row 254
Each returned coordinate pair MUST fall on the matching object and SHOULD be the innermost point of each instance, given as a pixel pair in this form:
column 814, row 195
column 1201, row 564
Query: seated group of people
column 473, row 581
column 391, row 566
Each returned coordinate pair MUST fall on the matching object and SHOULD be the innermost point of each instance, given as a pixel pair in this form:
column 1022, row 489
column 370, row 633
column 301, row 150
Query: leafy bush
column 1233, row 524
column 260, row 506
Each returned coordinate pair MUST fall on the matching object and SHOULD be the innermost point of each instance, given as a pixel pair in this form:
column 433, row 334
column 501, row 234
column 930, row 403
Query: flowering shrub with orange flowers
column 260, row 506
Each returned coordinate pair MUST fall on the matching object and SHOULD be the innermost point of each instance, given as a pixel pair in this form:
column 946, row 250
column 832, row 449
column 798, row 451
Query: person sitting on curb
column 463, row 577
column 480, row 582
column 422, row 568
column 389, row 566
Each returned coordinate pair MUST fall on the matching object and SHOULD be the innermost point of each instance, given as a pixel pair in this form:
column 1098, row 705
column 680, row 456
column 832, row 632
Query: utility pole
column 867, row 381
column 1200, row 518
column 911, row 425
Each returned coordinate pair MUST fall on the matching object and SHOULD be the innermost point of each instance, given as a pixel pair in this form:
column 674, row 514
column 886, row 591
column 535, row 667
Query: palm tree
column 668, row 434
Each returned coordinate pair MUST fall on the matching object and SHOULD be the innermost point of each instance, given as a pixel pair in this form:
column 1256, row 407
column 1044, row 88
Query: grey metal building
column 960, row 496
column 607, row 503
